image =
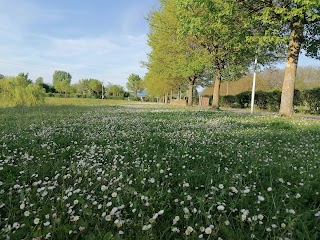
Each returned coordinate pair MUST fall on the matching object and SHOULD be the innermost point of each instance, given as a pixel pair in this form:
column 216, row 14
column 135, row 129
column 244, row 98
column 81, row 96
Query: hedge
column 271, row 100
column 312, row 99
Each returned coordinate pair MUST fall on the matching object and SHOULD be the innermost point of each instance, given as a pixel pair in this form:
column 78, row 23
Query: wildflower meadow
column 148, row 172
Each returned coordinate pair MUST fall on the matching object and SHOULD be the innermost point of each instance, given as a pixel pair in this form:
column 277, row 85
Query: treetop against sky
column 104, row 40
column 101, row 39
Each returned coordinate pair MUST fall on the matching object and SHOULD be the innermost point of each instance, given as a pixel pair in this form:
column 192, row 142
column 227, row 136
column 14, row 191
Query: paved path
column 247, row 111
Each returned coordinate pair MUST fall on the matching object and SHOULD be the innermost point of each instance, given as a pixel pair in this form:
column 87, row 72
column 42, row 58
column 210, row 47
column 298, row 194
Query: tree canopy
column 175, row 60
column 191, row 39
column 113, row 90
column 15, row 91
column 89, row 87
column 291, row 25
column 135, row 83
column 61, row 81
column 186, row 35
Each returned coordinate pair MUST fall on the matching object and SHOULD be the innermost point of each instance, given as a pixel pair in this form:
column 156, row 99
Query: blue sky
column 103, row 39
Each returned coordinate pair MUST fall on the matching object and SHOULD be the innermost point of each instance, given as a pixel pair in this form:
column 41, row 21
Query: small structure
column 204, row 97
column 204, row 101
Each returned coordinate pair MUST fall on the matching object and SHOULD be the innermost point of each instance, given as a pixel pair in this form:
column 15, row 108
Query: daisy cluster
column 157, row 173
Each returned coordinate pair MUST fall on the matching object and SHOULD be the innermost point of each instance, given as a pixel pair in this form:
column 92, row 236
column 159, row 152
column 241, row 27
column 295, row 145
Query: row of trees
column 205, row 41
column 20, row 90
column 94, row 87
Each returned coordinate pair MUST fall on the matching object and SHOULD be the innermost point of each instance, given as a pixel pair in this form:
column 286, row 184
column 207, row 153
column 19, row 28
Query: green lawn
column 148, row 172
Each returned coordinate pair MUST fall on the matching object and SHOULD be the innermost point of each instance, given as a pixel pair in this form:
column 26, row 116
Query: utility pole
column 254, row 83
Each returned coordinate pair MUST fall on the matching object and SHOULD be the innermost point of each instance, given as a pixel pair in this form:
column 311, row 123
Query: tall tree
column 135, row 83
column 83, row 87
column 294, row 23
column 113, row 90
column 62, row 81
column 174, row 60
column 221, row 30
column 96, row 87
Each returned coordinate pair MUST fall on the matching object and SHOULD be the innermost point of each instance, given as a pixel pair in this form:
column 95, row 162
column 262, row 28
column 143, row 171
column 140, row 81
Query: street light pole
column 254, row 83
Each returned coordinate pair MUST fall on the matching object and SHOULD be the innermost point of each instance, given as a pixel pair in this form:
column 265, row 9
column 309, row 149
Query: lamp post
column 102, row 96
column 254, row 83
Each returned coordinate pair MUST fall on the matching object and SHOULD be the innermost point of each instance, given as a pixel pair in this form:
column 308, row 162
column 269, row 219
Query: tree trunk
column 190, row 90
column 166, row 98
column 296, row 38
column 216, row 90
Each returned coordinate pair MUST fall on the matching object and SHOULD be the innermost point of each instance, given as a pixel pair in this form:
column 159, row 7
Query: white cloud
column 83, row 57
column 83, row 47
column 26, row 46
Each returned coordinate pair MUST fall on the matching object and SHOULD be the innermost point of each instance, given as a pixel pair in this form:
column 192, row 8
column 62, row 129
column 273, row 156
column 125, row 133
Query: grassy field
column 148, row 172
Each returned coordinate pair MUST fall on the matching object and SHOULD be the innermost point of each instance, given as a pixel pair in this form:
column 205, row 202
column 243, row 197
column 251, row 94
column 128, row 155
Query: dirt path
column 247, row 111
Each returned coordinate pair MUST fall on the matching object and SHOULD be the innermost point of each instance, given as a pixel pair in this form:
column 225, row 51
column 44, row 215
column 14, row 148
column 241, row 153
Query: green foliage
column 25, row 77
column 89, row 88
column 174, row 59
column 135, row 98
column 61, row 81
column 263, row 100
column 39, row 81
column 312, row 98
column 18, row 91
column 290, row 26
column 135, row 83
column 274, row 99
column 297, row 98
column 244, row 99
column 96, row 86
column 221, row 29
column 228, row 101
column 115, row 91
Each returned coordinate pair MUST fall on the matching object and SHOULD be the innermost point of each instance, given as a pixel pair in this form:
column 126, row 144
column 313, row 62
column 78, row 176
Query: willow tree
column 221, row 30
column 175, row 60
column 295, row 24
column 15, row 91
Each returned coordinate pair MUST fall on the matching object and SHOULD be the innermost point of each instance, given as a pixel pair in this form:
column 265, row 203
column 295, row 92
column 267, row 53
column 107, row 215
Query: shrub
column 274, row 99
column 261, row 99
column 297, row 99
column 243, row 99
column 312, row 98
column 135, row 98
column 228, row 101
column 271, row 100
